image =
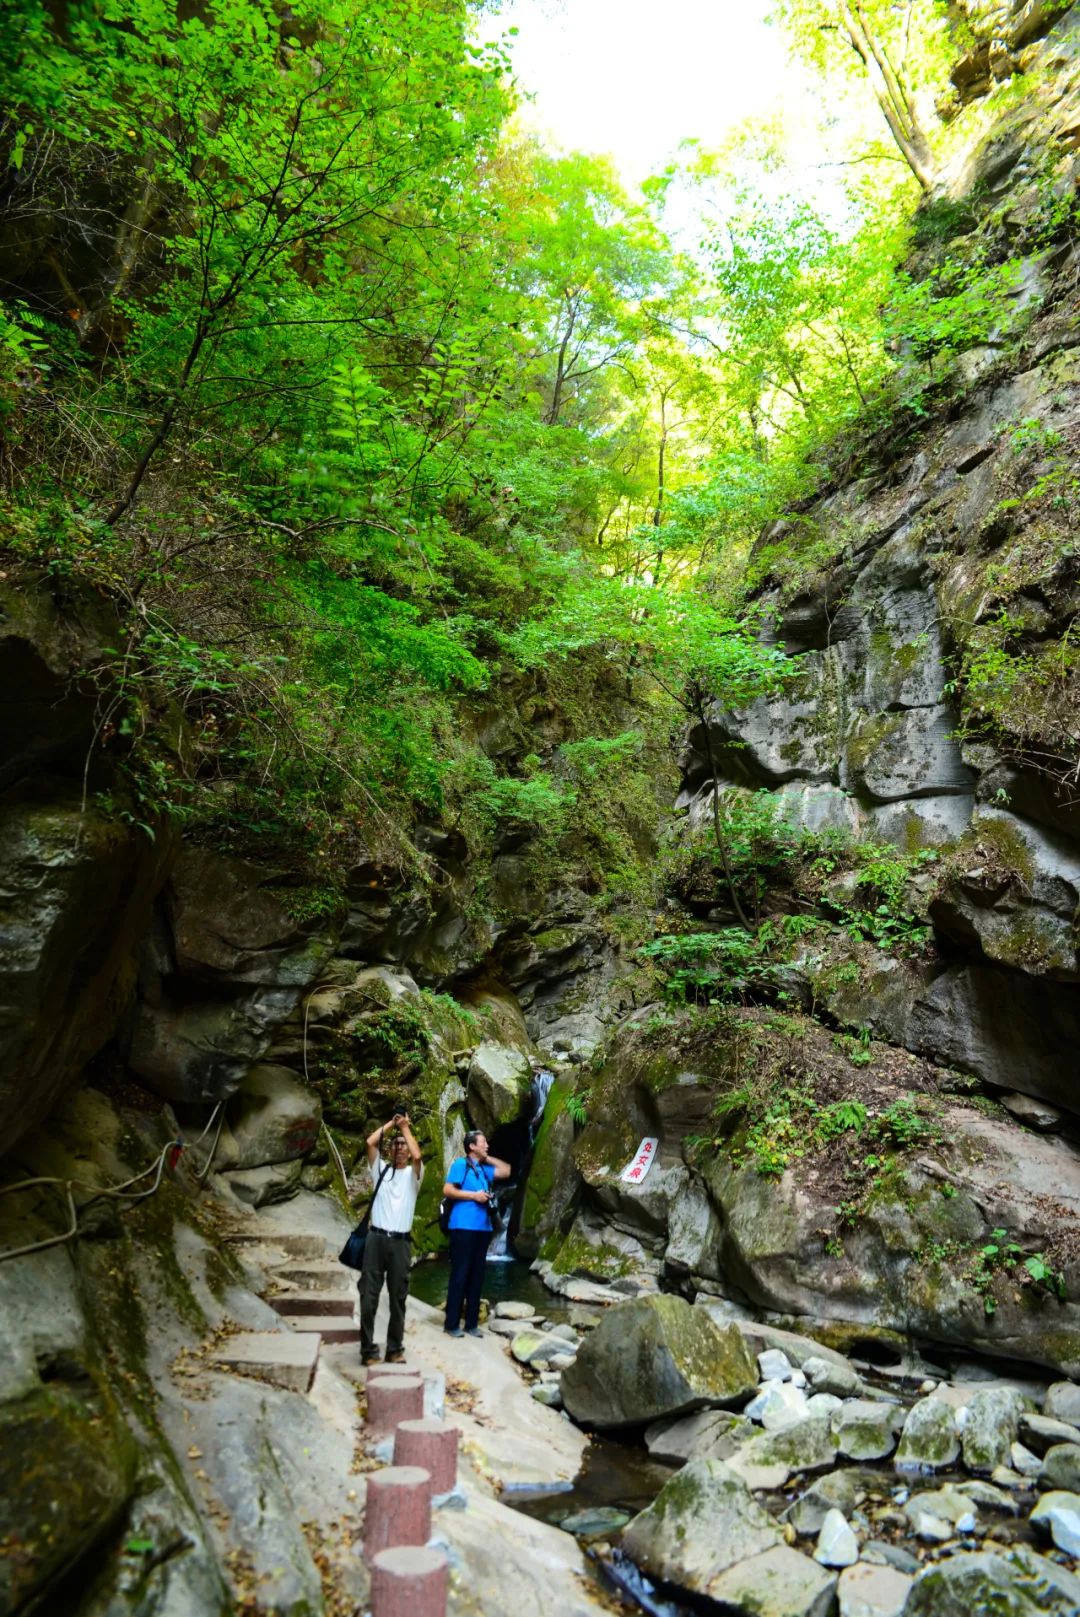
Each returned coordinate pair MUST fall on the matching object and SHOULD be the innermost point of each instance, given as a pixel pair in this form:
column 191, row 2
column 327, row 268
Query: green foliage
column 999, row 1258
column 903, row 1125
column 577, row 1106
column 878, row 910
column 709, row 967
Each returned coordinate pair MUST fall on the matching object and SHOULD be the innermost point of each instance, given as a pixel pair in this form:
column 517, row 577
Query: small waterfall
column 543, row 1078
column 532, row 1115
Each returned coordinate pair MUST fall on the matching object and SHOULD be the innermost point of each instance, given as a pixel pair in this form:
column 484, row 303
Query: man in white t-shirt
column 388, row 1250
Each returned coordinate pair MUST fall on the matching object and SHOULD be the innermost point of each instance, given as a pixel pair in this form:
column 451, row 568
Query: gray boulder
column 1063, row 1402
column 866, row 1590
column 1016, row 1582
column 1011, row 892
column 777, row 1583
column 497, row 1085
column 837, row 1545
column 807, row 1445
column 864, row 1430
column 836, row 1491
column 702, row 1434
column 273, row 1117
column 262, row 1187
column 1040, row 1433
column 929, row 1439
column 989, row 1427
column 1061, row 1467
column 937, row 1514
column 827, row 1376
column 702, row 1521
column 652, row 1357
column 201, row 1050
column 231, row 924
column 77, row 893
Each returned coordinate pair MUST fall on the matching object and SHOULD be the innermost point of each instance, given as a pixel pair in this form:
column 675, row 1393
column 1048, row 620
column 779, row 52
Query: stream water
column 509, row 1281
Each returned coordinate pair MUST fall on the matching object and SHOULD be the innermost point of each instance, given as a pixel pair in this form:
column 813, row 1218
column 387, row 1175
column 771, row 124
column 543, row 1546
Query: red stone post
column 391, row 1400
column 430, row 1444
column 398, row 1509
column 409, row 1582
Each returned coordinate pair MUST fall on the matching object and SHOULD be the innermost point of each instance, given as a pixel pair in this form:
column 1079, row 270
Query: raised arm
column 502, row 1169
column 374, row 1141
column 410, row 1140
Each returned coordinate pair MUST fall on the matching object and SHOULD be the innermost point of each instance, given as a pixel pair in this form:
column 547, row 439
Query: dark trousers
column 468, row 1253
column 386, row 1258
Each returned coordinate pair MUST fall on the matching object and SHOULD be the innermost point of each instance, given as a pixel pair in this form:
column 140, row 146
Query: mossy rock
column 654, row 1357
column 67, row 1471
column 553, row 1180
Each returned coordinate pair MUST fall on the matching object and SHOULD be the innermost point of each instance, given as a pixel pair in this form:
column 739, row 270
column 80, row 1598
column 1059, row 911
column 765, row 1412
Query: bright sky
column 634, row 77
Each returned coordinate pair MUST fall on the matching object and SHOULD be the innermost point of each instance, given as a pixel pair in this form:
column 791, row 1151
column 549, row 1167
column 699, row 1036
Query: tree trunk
column 718, row 826
column 897, row 106
column 560, row 369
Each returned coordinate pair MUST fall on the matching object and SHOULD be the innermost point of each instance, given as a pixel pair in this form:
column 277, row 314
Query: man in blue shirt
column 469, row 1188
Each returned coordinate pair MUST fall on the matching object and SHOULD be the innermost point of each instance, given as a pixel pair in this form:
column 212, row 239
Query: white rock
column 756, row 1407
column 514, row 1310
column 837, row 1544
column 798, row 1379
column 931, row 1529
column 1060, row 1513
column 774, row 1365
column 823, row 1403
column 784, row 1406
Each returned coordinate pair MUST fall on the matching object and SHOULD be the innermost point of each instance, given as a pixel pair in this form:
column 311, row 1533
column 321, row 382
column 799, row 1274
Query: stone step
column 317, row 1274
column 314, row 1302
column 296, row 1245
column 331, row 1327
column 283, row 1358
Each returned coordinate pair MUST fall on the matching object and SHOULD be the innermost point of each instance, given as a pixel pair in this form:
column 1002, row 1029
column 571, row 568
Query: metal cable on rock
column 120, row 1192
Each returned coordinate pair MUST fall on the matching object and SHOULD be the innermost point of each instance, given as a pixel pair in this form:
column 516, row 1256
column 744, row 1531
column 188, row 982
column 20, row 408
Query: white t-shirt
column 395, row 1204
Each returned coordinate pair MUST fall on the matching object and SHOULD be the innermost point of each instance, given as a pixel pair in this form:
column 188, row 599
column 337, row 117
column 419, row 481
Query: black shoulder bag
column 352, row 1253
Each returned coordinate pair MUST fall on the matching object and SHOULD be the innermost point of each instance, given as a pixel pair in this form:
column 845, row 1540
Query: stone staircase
column 314, row 1295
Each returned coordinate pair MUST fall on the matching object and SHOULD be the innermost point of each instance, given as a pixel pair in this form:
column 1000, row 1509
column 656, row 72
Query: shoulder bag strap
column 365, row 1218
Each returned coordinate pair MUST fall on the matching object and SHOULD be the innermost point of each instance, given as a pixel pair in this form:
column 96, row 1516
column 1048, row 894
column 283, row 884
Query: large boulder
column 1015, row 1582
column 67, row 1470
column 497, row 1085
column 77, row 889
column 996, row 1174
column 702, row 1521
column 230, row 922
column 200, row 1050
column 1010, row 892
column 223, row 968
column 273, row 1117
column 654, row 1357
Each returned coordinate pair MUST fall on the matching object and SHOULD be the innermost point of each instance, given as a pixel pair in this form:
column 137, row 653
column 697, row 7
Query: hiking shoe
column 456, row 1332
column 474, row 1330
column 395, row 1358
column 370, row 1358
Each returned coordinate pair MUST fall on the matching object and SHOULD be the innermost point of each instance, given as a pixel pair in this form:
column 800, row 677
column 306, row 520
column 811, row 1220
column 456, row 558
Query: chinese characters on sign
column 640, row 1162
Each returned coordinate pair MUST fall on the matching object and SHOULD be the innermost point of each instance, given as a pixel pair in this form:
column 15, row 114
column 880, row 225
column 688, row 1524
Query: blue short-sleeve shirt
column 469, row 1175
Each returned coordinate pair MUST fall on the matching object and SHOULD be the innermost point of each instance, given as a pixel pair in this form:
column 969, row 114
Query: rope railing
column 119, row 1192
